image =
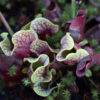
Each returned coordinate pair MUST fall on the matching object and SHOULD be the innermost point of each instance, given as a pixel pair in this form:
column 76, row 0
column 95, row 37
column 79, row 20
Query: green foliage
column 54, row 94
column 66, row 15
column 96, row 68
column 24, row 9
column 57, row 45
column 66, row 95
column 12, row 70
column 94, row 42
column 50, row 98
column 3, row 2
column 43, row 10
column 26, row 82
column 88, row 73
column 68, row 79
column 62, row 92
column 25, row 70
column 8, row 5
column 95, row 95
column 97, row 49
column 59, row 85
column 69, row 11
column 91, row 10
column 41, row 7
column 53, row 39
column 12, row 21
column 61, row 1
column 73, row 7
column 1, row 83
column 64, row 80
column 40, row 4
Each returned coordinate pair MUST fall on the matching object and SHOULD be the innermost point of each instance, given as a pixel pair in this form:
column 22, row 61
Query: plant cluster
column 30, row 54
column 33, row 57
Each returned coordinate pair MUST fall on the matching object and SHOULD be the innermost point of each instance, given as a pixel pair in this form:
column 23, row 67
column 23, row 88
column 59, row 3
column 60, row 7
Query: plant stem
column 6, row 24
column 92, row 82
column 73, row 8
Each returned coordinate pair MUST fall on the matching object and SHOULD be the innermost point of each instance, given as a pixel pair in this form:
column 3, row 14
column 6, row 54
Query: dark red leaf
column 93, row 32
column 96, row 59
column 76, row 25
column 87, row 63
column 89, row 50
column 53, row 11
column 83, row 66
